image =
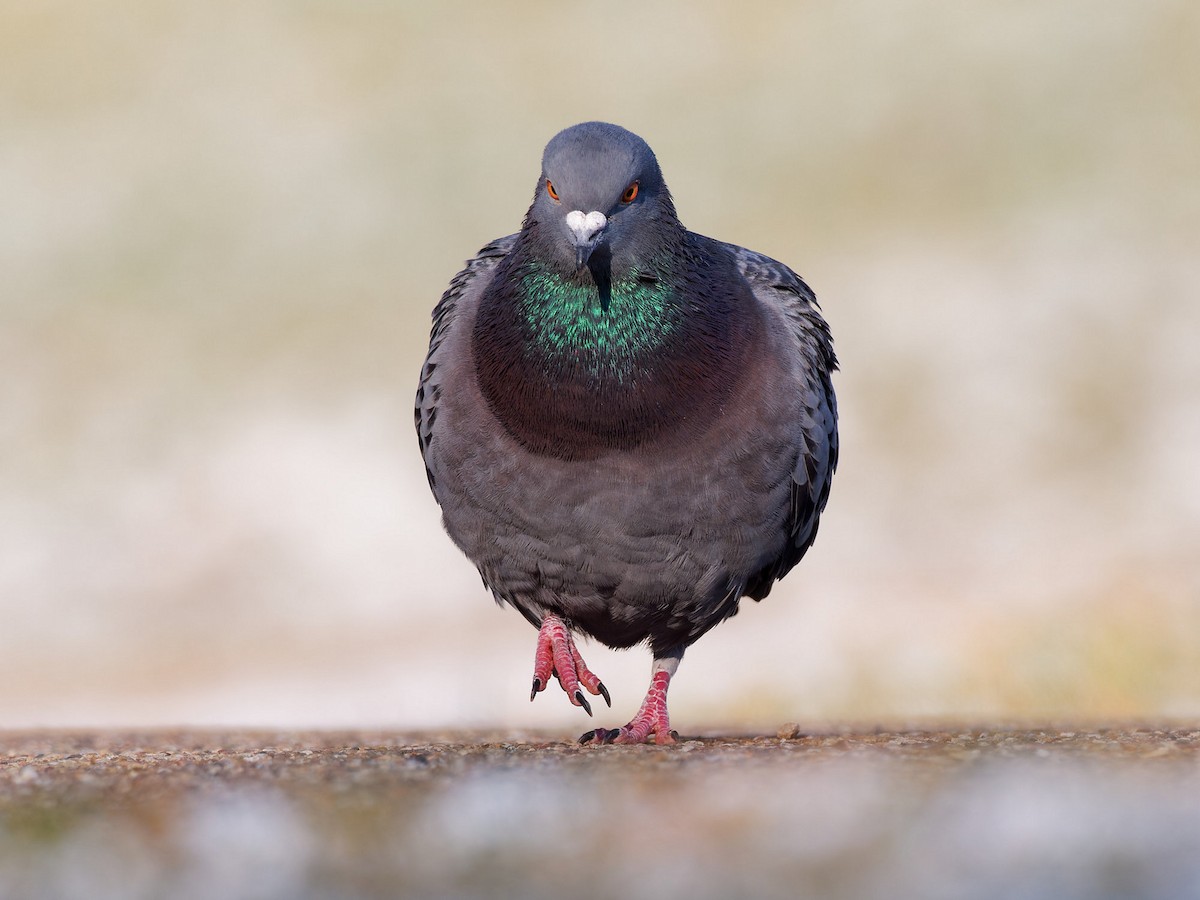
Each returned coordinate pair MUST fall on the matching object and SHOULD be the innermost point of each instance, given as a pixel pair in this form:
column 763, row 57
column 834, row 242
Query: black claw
column 537, row 686
column 674, row 734
column 604, row 693
column 587, row 707
column 599, row 736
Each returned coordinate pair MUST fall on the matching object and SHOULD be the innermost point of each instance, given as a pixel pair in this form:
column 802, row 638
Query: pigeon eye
column 550, row 189
column 630, row 193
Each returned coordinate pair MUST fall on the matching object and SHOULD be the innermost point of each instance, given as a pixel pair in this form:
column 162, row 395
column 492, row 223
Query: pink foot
column 556, row 655
column 651, row 719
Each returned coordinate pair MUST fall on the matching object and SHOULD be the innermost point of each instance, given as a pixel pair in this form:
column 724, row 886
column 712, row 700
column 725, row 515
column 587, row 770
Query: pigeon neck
column 574, row 370
column 598, row 332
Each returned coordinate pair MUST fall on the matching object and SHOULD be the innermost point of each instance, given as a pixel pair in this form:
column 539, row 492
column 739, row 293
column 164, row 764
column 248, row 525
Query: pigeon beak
column 583, row 253
column 586, row 230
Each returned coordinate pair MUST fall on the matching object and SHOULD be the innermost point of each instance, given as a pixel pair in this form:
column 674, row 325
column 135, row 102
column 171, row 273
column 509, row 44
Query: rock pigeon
column 628, row 426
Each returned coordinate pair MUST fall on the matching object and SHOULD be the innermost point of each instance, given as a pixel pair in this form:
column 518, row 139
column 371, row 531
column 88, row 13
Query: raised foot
column 652, row 719
column 556, row 655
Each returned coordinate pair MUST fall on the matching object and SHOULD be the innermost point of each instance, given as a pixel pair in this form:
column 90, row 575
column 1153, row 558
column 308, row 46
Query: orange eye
column 550, row 189
column 630, row 193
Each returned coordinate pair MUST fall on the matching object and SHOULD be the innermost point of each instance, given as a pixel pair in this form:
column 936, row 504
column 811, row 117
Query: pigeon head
column 607, row 324
column 601, row 205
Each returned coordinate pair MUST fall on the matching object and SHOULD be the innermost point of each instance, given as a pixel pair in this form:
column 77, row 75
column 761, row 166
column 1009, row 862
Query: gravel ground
column 859, row 814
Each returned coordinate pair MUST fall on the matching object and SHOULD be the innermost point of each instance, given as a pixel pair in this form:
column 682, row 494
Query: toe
column 581, row 700
column 599, row 736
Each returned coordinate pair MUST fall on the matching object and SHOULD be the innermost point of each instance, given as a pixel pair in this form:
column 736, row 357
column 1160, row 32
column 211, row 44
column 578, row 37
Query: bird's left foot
column 652, row 719
column 556, row 655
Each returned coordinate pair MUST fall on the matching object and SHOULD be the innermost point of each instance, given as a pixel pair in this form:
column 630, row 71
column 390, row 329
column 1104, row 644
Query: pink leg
column 651, row 719
column 557, row 655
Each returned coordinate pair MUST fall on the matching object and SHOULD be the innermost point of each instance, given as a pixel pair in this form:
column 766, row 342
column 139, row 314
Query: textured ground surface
column 981, row 813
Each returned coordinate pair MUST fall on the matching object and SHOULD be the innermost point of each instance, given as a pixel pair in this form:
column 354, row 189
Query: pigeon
column 628, row 426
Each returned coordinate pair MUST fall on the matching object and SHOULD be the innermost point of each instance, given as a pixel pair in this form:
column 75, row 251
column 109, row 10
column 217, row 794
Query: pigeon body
column 628, row 426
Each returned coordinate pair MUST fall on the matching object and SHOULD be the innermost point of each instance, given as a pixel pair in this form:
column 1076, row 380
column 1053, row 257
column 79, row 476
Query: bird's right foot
column 651, row 721
column 557, row 655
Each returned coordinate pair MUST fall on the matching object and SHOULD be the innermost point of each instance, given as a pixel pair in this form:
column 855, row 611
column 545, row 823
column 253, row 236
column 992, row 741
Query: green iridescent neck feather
column 569, row 326
column 571, row 377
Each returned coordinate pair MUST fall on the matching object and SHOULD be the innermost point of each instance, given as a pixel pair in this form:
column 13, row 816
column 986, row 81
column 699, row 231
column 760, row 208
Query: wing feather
column 816, row 435
column 429, row 386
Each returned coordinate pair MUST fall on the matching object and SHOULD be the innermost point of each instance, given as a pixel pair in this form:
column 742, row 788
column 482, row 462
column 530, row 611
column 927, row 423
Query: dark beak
column 586, row 232
column 584, row 251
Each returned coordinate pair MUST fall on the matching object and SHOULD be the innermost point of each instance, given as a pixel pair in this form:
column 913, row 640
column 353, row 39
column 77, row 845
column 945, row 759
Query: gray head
column 601, row 194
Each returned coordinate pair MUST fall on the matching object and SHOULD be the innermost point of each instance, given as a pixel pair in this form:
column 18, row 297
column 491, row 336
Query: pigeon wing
column 774, row 284
column 444, row 314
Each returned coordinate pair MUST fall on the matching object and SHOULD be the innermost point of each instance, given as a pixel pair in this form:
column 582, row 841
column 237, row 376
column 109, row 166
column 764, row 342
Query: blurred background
column 223, row 227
